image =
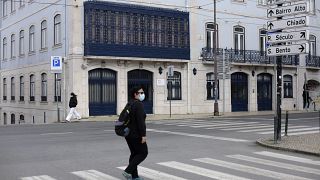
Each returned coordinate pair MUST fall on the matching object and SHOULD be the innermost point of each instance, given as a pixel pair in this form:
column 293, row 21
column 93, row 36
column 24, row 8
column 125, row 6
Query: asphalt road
column 194, row 149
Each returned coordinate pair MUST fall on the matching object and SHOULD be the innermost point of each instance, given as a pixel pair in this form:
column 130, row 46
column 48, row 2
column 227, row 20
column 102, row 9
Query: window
column 13, row 119
column 4, row 48
column 57, row 29
column 13, row 89
column 21, row 120
column 287, row 86
column 13, row 5
column 312, row 6
column 5, row 118
column 5, row 8
column 262, row 39
column 43, row 34
column 4, row 89
column 21, row 88
column 44, row 85
column 211, row 39
column 21, row 3
column 57, row 87
column 32, row 88
column 210, row 87
column 174, row 87
column 21, row 42
column 313, row 47
column 262, row 2
column 238, row 34
column 13, row 47
column 31, row 39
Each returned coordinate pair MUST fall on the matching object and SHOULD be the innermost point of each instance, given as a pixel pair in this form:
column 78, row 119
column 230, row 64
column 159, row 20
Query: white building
column 109, row 46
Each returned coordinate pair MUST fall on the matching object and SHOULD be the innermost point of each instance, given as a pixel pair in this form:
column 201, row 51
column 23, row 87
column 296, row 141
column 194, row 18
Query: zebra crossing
column 256, row 165
column 237, row 126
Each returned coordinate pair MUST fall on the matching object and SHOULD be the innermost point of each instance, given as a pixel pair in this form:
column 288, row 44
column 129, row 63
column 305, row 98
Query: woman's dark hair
column 73, row 94
column 134, row 90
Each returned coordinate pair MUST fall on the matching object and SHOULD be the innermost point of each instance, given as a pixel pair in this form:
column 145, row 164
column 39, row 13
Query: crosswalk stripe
column 306, row 132
column 275, row 164
column 248, row 169
column 198, row 135
column 292, row 130
column 93, row 175
column 253, row 126
column 224, row 124
column 153, row 174
column 42, row 177
column 267, row 129
column 200, row 171
column 198, row 123
column 287, row 157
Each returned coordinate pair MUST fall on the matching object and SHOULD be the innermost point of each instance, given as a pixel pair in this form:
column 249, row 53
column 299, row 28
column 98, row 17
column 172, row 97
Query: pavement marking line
column 200, row 171
column 57, row 133
column 247, row 127
column 198, row 123
column 153, row 174
column 275, row 164
column 306, row 132
column 93, row 175
column 293, row 130
column 249, row 169
column 198, row 135
column 41, row 177
column 287, row 157
column 271, row 129
column 224, row 124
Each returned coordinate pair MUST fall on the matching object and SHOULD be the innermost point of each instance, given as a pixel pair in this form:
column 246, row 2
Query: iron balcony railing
column 247, row 56
column 313, row 61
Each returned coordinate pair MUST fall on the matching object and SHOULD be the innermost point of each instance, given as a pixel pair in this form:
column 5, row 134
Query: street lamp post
column 216, row 108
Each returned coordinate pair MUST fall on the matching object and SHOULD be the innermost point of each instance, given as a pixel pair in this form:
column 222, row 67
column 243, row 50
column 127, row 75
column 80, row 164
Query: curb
column 262, row 143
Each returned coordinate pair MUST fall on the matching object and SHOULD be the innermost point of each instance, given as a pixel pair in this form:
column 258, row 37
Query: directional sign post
column 288, row 36
column 288, row 23
column 288, row 10
column 288, row 50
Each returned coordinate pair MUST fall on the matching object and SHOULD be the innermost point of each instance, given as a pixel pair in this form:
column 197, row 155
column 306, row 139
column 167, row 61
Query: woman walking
column 73, row 102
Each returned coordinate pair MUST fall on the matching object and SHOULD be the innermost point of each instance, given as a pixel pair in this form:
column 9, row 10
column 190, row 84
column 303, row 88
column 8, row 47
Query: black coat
column 137, row 122
column 73, row 102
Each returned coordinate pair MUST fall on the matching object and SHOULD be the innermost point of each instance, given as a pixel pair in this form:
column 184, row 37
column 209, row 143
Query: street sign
column 288, row 23
column 288, row 36
column 288, row 50
column 56, row 63
column 275, row 2
column 288, row 10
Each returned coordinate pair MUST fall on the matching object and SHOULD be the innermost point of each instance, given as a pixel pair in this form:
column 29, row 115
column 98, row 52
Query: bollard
column 286, row 125
column 275, row 124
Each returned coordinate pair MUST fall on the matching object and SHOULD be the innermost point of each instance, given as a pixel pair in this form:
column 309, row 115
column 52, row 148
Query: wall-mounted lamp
column 194, row 71
column 160, row 70
column 253, row 73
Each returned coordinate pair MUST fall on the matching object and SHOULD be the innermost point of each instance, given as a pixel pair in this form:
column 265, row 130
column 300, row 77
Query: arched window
column 4, row 89
column 44, row 85
column 13, row 46
column 313, row 45
column 210, row 35
column 262, row 39
column 287, row 86
column 21, row 88
column 32, row 87
column 174, row 87
column 21, row 120
column 239, row 37
column 4, row 48
column 210, row 86
column 57, row 87
column 13, row 89
column 43, row 34
column 57, row 29
column 5, row 118
column 21, row 42
column 31, row 39
column 13, row 119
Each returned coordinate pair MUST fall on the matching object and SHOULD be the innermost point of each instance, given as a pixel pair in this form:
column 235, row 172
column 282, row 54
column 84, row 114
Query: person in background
column 136, row 140
column 73, row 102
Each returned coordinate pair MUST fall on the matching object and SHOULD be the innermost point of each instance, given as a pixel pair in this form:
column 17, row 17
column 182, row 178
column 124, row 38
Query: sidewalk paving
column 307, row 143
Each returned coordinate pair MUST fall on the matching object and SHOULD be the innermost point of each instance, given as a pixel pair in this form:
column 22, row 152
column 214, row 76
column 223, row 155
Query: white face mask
column 141, row 97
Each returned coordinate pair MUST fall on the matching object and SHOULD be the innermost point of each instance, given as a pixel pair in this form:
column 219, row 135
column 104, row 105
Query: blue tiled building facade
column 126, row 30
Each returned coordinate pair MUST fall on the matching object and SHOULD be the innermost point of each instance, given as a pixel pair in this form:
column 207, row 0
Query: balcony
column 313, row 61
column 246, row 56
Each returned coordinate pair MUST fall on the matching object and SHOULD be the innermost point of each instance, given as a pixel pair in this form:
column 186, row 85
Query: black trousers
column 138, row 152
